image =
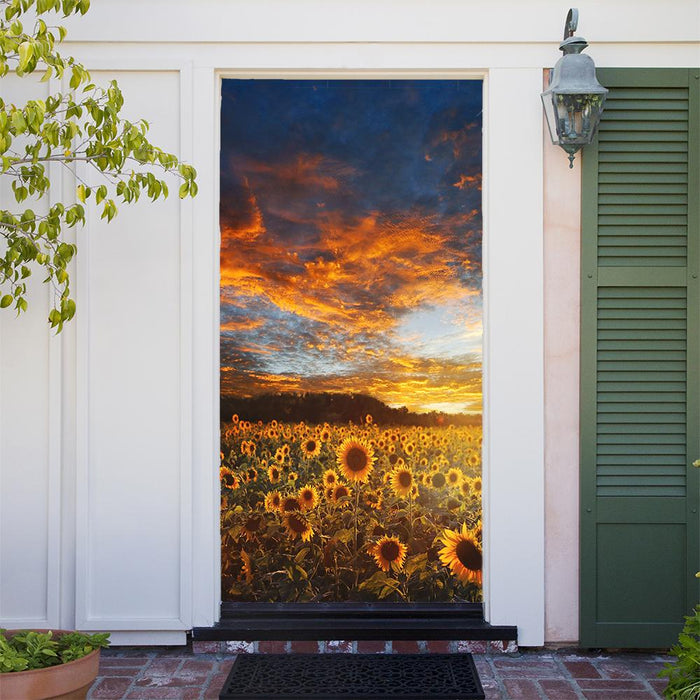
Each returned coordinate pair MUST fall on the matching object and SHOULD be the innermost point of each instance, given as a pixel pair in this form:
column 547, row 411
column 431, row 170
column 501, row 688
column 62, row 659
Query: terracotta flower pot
column 69, row 681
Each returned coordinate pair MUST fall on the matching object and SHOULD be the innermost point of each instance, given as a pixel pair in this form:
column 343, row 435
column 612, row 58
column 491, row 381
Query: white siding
column 29, row 448
column 134, row 461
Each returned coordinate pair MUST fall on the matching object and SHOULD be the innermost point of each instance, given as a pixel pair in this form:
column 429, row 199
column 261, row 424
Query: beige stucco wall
column 562, row 235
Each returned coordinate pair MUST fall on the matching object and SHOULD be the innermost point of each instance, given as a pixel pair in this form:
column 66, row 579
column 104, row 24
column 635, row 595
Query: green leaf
column 26, row 53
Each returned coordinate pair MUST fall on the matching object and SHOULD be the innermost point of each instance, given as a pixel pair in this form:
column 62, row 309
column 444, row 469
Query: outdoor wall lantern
column 573, row 102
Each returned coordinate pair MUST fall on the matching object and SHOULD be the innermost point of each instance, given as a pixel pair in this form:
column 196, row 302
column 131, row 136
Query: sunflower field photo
column 358, row 512
column 351, row 340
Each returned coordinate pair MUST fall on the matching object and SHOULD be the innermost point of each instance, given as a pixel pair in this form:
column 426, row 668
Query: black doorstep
column 353, row 621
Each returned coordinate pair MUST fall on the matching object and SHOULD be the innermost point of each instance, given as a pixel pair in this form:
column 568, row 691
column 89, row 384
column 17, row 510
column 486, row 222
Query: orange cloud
column 305, row 170
column 468, row 181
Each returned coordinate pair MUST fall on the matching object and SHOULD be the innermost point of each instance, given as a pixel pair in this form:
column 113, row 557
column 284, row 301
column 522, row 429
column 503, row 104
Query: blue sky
column 351, row 239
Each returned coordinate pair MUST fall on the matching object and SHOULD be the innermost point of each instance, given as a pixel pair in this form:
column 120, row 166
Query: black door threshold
column 355, row 621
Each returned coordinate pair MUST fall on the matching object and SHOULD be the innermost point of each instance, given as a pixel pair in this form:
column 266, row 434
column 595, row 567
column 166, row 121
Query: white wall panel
column 441, row 21
column 133, row 449
column 29, row 440
column 513, row 357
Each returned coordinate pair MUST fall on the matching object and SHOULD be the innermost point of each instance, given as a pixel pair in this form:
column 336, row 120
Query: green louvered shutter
column 640, row 328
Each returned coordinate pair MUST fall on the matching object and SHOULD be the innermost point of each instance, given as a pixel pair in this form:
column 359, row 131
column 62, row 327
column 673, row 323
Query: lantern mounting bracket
column 571, row 23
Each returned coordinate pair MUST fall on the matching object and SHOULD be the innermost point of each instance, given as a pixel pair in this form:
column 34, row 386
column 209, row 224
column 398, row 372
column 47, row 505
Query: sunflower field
column 333, row 513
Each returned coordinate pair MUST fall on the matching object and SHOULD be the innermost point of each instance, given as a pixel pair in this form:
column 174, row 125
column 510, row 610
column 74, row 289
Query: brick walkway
column 146, row 672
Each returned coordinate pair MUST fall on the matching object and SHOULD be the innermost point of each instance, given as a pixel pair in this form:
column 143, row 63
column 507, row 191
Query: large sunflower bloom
column 274, row 474
column 252, row 526
column 437, row 480
column 273, row 502
column 298, row 526
column 290, row 504
column 341, row 491
column 374, row 499
column 311, row 447
column 330, row 477
column 356, row 459
column 308, row 497
column 462, row 553
column 454, row 477
column 401, row 481
column 228, row 479
column 389, row 553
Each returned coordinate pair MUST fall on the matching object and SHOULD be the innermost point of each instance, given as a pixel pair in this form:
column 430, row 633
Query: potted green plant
column 42, row 664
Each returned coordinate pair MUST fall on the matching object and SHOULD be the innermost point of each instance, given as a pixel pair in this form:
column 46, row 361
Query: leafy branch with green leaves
column 684, row 673
column 80, row 125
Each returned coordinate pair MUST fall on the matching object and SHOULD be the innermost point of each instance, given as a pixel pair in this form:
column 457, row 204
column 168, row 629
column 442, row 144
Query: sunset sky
column 351, row 240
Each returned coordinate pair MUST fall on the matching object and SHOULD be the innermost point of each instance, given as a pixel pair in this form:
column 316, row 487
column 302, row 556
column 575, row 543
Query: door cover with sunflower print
column 351, row 328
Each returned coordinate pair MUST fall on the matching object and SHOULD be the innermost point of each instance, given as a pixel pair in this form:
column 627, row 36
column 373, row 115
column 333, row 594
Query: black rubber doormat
column 352, row 676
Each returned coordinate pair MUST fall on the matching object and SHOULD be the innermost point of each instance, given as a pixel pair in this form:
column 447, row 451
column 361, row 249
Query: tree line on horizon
column 330, row 407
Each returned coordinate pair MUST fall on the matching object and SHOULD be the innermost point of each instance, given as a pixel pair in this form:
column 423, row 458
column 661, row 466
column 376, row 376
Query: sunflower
column 476, row 485
column 308, row 497
column 328, row 492
column 389, row 553
column 290, row 504
column 274, row 474
column 330, row 477
column 453, row 503
column 251, row 474
column 462, row 553
column 273, row 501
column 437, row 480
column 251, row 527
column 401, row 481
column 311, row 447
column 228, row 479
column 374, row 499
column 409, row 448
column 465, row 487
column 454, row 477
column 341, row 491
column 356, row 458
column 298, row 526
column 247, row 568
column 368, row 419
column 325, row 433
column 279, row 456
column 234, row 418
column 292, row 476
